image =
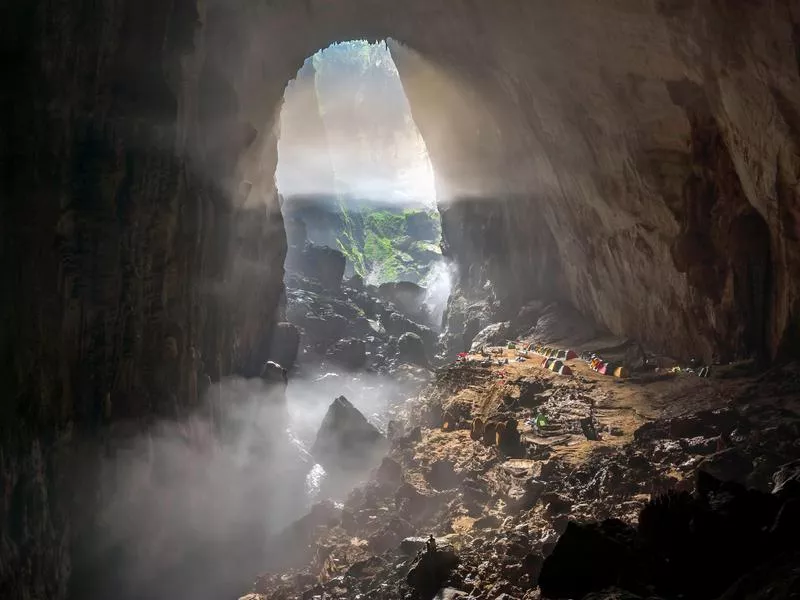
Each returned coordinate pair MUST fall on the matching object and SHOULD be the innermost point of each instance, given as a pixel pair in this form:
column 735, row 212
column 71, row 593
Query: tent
column 621, row 372
column 565, row 370
column 571, row 354
column 556, row 365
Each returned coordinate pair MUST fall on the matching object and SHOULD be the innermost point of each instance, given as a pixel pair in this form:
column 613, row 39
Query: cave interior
column 635, row 161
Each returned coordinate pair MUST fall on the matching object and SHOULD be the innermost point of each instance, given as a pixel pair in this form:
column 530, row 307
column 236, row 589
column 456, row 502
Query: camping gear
column 621, row 372
column 565, row 370
column 556, row 365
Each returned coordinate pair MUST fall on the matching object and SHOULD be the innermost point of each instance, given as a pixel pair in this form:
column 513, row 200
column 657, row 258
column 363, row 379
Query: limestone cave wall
column 639, row 159
column 623, row 144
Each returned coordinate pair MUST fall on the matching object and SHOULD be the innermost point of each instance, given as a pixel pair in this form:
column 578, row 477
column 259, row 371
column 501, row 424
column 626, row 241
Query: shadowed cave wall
column 638, row 159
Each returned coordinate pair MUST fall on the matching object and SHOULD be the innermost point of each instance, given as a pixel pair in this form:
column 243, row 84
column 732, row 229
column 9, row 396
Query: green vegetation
column 390, row 244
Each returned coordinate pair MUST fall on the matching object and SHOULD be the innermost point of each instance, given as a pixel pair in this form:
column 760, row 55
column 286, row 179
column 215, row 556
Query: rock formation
column 346, row 440
column 637, row 160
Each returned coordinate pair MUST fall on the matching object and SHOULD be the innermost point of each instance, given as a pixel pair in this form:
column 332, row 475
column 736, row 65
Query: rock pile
column 685, row 545
column 351, row 327
column 644, row 510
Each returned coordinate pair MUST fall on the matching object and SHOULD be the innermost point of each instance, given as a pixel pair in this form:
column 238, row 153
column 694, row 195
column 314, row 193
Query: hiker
column 431, row 544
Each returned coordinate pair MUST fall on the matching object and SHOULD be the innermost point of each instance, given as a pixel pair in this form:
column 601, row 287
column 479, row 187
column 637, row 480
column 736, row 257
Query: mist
column 438, row 285
column 192, row 506
column 346, row 129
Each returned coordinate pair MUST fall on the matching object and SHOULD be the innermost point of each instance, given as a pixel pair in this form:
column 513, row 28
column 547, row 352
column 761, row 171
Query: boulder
column 324, row 264
column 786, row 480
column 411, row 349
column 728, row 465
column 396, row 324
column 431, row 570
column 409, row 501
column 389, row 536
column 351, row 353
column 526, row 496
column 274, row 374
column 493, row 335
column 408, row 297
column 346, row 440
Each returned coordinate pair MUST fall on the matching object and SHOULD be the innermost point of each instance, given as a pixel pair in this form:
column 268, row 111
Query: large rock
column 431, row 570
column 397, row 324
column 786, row 480
column 690, row 545
column 495, row 334
column 727, row 465
column 411, row 349
column 346, row 440
column 408, row 297
column 324, row 264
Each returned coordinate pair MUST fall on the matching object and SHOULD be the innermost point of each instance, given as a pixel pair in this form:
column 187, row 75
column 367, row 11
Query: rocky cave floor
column 661, row 483
column 690, row 490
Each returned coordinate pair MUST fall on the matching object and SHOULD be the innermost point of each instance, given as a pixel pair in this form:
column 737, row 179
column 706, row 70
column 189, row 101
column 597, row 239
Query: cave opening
column 354, row 177
column 366, row 284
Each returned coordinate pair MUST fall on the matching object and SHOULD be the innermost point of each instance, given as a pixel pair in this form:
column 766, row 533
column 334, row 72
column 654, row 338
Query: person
column 431, row 544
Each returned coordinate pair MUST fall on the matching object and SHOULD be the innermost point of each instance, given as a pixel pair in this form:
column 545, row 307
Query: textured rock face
column 346, row 440
column 637, row 159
